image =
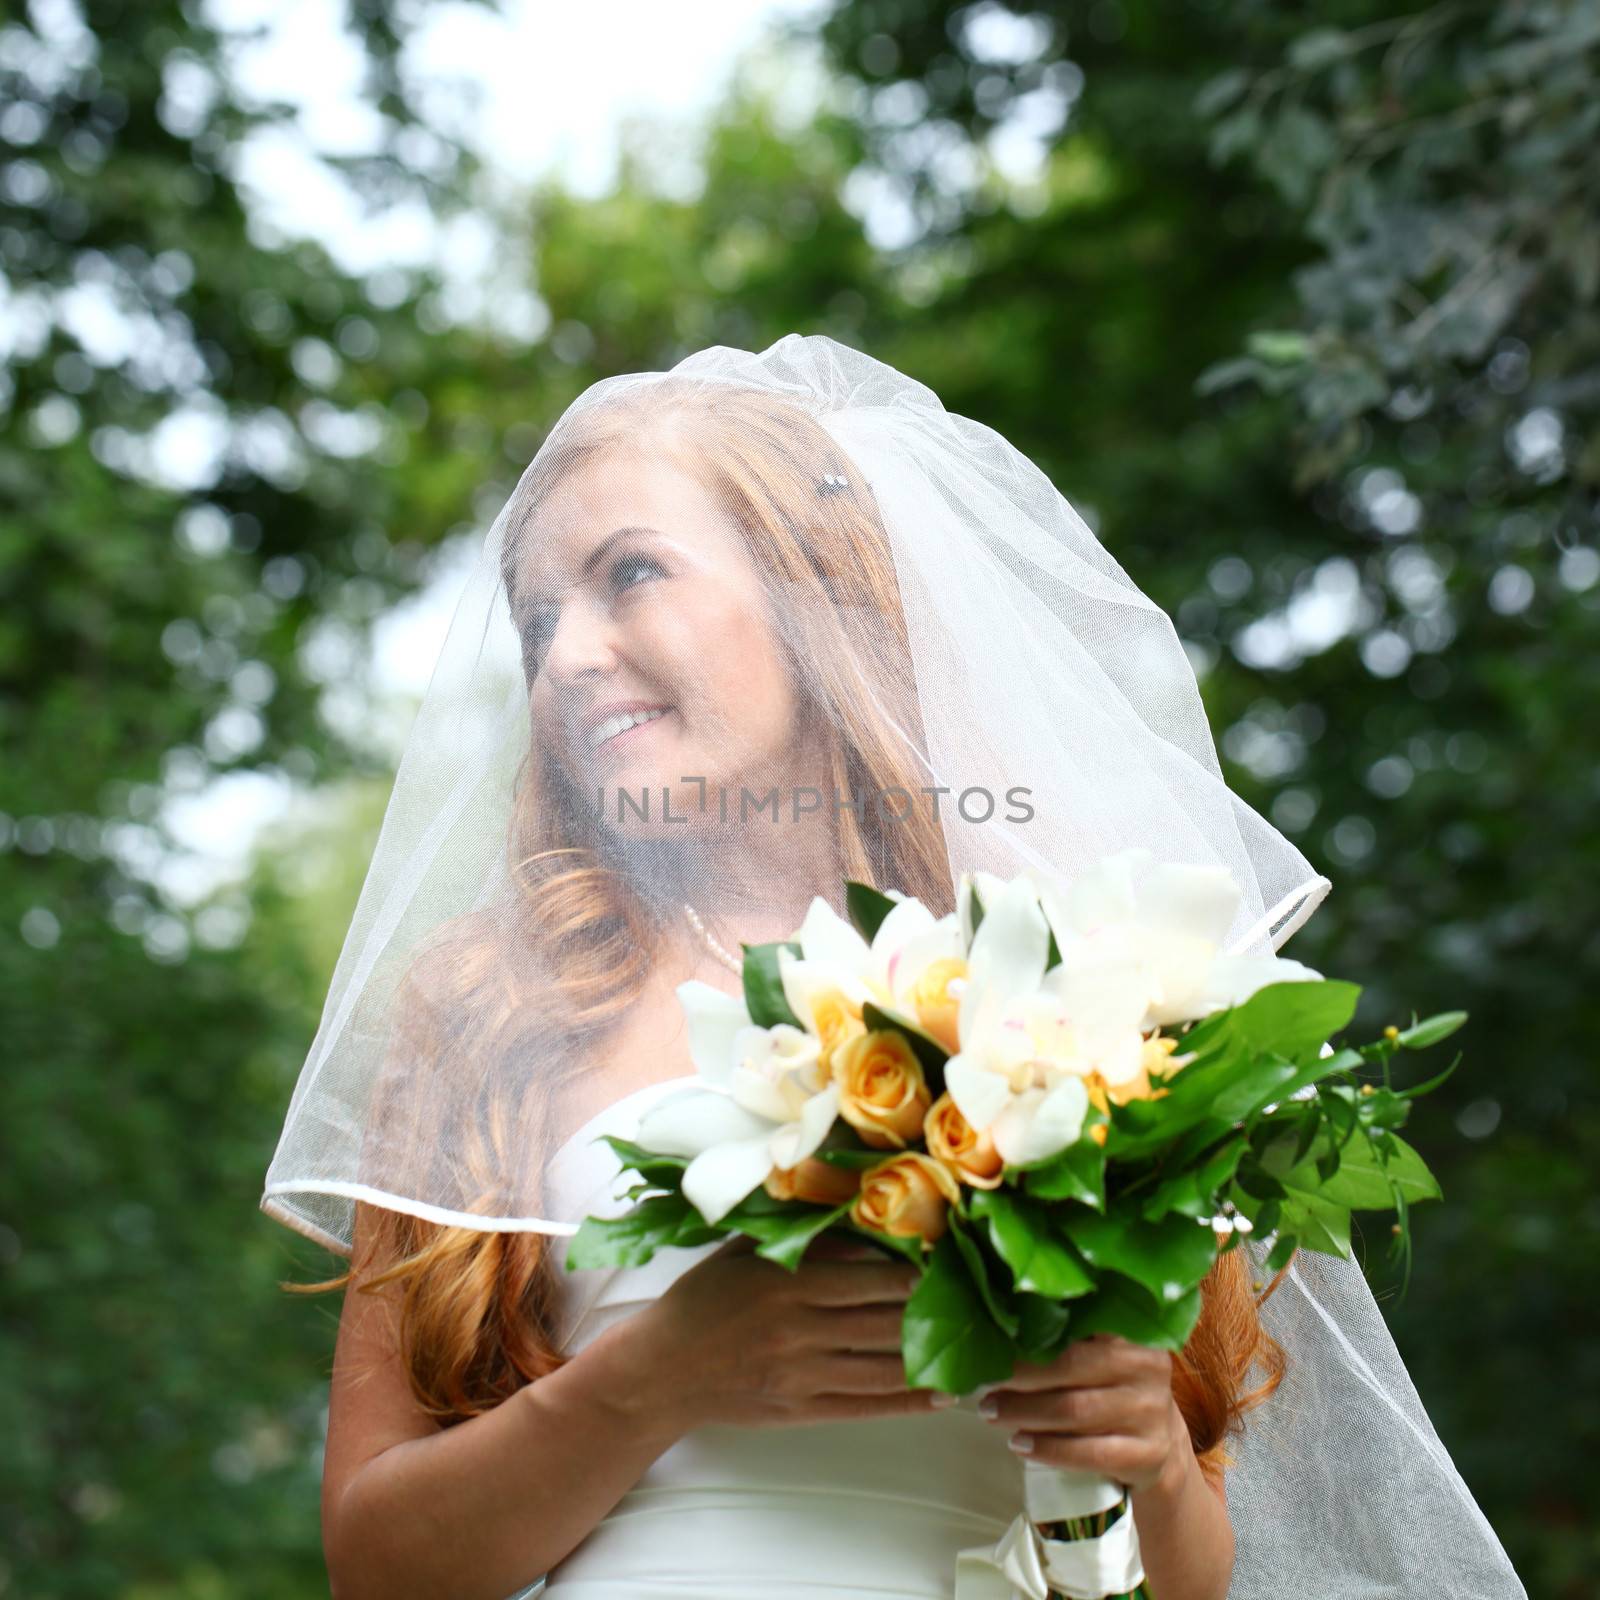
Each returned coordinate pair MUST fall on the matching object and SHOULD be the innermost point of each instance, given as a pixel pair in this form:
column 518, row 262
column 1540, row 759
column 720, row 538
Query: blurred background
column 1303, row 318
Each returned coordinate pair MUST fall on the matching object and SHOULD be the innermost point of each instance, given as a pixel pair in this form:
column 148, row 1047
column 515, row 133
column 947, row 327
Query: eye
column 625, row 566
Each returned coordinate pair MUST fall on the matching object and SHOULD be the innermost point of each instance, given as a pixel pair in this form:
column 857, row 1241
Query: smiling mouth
column 610, row 733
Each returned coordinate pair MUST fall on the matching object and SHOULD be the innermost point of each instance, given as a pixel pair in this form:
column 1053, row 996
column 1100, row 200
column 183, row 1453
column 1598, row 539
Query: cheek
column 758, row 694
column 734, row 673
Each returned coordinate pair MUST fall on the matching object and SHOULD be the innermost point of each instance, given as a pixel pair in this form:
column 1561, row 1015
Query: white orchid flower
column 835, row 963
column 1166, row 921
column 1019, row 1074
column 764, row 1102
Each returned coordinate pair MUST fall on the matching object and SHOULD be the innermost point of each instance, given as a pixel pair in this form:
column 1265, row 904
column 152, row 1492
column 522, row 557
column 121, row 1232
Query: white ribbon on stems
column 1023, row 1565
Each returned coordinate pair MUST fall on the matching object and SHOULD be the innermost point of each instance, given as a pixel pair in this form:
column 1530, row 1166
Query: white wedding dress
column 844, row 1510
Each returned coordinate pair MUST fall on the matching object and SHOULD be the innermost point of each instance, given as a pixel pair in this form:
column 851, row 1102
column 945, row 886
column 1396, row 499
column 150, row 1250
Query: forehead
column 595, row 497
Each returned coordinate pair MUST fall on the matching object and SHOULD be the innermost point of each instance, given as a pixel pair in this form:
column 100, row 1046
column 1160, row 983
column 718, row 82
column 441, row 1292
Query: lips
column 611, row 725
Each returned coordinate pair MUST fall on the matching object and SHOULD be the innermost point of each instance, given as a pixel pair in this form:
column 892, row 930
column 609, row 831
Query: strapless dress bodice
column 872, row 1510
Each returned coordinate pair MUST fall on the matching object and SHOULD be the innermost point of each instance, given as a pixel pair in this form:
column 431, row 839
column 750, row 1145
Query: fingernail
column 940, row 1401
column 989, row 1407
column 1022, row 1443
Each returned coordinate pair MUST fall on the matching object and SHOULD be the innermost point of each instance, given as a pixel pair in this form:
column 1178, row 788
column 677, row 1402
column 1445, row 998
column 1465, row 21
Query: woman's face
column 648, row 638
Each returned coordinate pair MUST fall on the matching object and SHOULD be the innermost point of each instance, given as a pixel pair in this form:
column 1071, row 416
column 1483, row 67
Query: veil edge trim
column 282, row 1212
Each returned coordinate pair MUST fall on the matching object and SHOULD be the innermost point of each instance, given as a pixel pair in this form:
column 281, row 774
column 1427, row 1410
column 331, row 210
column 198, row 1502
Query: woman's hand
column 739, row 1339
column 1103, row 1405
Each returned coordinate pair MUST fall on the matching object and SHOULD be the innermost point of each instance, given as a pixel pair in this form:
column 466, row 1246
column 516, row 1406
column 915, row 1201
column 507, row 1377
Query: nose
column 583, row 644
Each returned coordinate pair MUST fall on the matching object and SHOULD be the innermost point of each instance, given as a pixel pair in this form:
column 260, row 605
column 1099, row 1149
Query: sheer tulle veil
column 836, row 593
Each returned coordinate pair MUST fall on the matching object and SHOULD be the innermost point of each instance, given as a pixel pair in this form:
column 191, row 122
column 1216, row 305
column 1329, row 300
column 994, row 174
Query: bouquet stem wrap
column 1025, row 1565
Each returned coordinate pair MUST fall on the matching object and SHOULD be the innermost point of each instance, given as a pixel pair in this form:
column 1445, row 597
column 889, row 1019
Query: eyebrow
column 597, row 555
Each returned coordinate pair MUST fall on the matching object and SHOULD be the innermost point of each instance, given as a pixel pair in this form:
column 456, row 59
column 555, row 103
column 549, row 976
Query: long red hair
column 475, row 1308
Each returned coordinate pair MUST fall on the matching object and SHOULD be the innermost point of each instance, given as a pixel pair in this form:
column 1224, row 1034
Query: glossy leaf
column 764, row 998
column 1027, row 1238
column 948, row 1339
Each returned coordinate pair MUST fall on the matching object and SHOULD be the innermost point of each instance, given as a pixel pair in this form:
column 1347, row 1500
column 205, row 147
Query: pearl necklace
column 720, row 951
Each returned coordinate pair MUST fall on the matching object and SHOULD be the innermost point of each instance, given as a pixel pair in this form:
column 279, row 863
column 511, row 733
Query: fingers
column 1082, row 1411
column 866, row 1407
column 854, row 1283
column 857, row 1372
column 871, row 1328
column 1134, row 1462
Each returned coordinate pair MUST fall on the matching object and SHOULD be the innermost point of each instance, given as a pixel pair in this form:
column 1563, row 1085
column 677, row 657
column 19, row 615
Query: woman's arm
column 478, row 1510
column 1185, row 1535
column 1105, row 1405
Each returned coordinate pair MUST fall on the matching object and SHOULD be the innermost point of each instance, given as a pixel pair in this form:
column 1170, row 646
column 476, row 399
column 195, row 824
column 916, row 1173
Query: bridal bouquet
column 1061, row 1102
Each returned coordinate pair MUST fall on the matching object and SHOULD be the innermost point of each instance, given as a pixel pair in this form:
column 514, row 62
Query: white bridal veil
column 743, row 629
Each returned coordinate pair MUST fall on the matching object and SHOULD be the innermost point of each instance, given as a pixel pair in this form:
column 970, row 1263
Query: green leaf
column 1283, row 1249
column 1254, row 1179
column 997, row 1301
column 1319, row 1223
column 764, row 998
column 866, row 907
column 1384, row 1108
column 786, row 1245
column 1043, row 1326
column 1337, row 1102
column 1291, row 1018
column 782, row 1228
column 1431, row 1030
column 1077, row 1173
column 842, row 1147
column 1194, row 1192
column 852, row 1159
column 1247, row 1058
column 1128, row 1310
column 976, row 916
column 1310, row 1119
column 948, row 1340
column 1024, row 1237
column 1168, row 1257
column 1363, row 1179
column 633, row 1238
column 665, row 1172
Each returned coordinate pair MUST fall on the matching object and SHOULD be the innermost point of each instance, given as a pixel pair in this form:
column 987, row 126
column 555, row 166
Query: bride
column 745, row 630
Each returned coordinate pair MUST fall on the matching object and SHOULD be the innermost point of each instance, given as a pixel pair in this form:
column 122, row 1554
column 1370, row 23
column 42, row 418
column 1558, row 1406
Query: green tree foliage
column 216, row 451
column 1398, row 603
column 1443, row 372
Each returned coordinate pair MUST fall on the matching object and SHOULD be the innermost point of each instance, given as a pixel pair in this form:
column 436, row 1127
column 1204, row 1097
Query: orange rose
column 970, row 1155
column 882, row 1093
column 1154, row 1057
column 1139, row 1087
column 838, row 1021
column 814, row 1180
column 908, row 1196
column 933, row 1005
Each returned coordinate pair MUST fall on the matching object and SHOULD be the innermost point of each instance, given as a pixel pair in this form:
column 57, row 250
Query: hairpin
column 832, row 483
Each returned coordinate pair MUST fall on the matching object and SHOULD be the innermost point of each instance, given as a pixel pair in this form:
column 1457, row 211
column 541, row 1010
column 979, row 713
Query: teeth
column 612, row 726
